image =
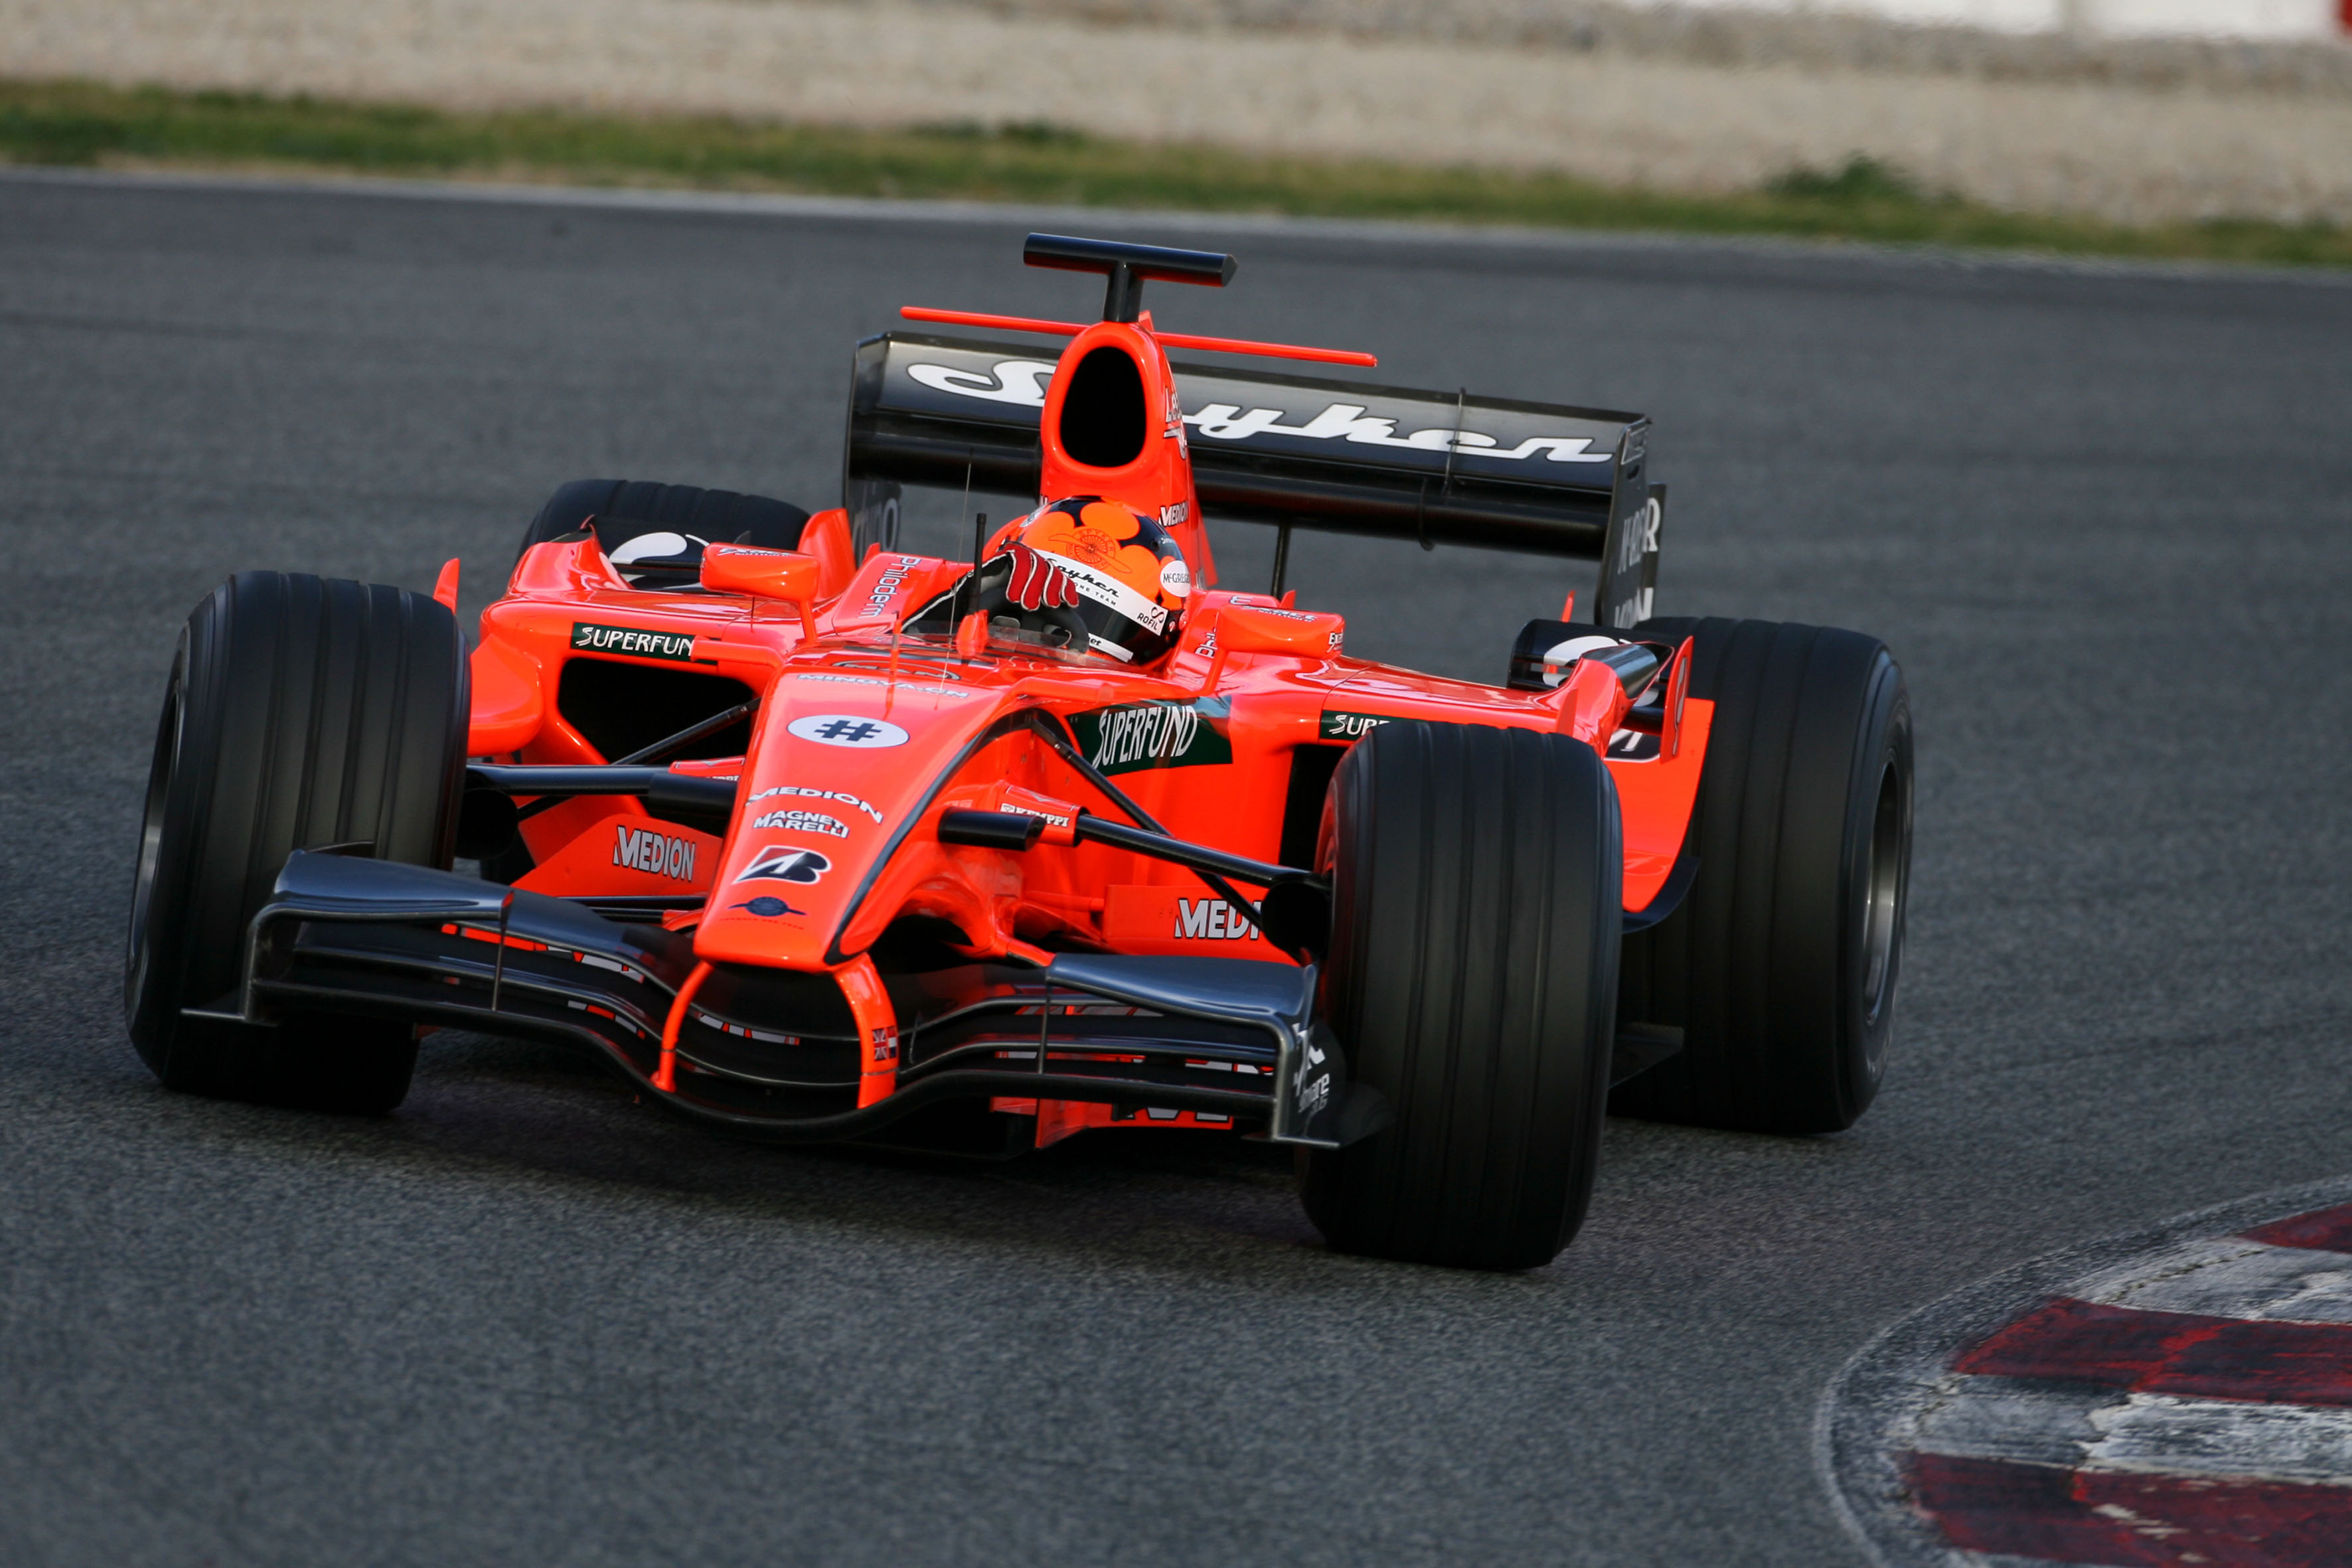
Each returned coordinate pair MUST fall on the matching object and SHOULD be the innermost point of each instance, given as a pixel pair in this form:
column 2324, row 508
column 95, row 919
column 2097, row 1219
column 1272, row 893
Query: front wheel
column 301, row 713
column 1472, row 980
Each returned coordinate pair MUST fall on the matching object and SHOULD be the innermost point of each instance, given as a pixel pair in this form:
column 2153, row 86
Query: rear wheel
column 1472, row 981
column 301, row 713
column 663, row 526
column 1781, row 962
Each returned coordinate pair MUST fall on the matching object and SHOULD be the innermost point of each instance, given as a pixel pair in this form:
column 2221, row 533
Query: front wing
column 773, row 1054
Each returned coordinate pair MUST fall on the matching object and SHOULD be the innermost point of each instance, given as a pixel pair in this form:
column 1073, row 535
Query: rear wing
column 1338, row 457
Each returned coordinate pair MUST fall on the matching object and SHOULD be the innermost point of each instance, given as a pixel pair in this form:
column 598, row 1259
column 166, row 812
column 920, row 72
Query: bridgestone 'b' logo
column 785, row 863
column 643, row 849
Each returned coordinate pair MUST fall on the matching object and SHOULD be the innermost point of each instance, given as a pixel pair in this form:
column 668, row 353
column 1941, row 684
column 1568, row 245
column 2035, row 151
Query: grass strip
column 84, row 124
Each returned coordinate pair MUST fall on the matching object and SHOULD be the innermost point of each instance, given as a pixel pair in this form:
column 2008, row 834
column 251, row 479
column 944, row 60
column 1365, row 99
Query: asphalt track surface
column 2101, row 515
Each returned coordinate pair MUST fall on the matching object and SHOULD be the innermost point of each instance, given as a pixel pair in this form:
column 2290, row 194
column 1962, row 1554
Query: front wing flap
column 1228, row 1036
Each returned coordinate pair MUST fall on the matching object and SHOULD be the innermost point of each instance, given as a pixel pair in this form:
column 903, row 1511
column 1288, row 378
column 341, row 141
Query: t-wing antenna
column 1128, row 266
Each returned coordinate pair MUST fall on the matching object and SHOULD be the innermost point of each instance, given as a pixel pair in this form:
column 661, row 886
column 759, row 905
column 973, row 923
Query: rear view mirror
column 782, row 574
column 1634, row 664
column 785, row 574
column 1257, row 628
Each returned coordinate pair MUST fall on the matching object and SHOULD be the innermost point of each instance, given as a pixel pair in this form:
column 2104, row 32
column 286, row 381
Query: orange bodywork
column 864, row 735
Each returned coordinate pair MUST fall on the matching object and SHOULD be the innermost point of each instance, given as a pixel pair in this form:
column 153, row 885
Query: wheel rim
column 150, row 839
column 1882, row 893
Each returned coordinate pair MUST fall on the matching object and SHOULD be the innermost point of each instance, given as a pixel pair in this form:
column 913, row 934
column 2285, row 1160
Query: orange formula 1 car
column 819, row 839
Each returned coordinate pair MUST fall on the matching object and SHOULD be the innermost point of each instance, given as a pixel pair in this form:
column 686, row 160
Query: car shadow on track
column 557, row 1112
column 550, row 1123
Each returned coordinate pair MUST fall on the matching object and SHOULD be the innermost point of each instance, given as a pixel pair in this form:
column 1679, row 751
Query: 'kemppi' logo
column 1212, row 920
column 643, row 849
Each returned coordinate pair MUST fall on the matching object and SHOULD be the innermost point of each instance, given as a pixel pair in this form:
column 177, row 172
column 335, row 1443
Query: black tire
column 1472, row 980
column 1781, row 962
column 301, row 713
column 625, row 509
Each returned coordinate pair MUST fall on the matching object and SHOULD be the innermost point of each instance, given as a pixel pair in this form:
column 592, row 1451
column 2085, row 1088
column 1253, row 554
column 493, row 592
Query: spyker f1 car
column 818, row 840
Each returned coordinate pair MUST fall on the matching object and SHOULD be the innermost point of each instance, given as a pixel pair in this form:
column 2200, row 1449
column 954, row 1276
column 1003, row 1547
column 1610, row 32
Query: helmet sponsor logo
column 1176, row 579
column 1155, row 735
column 796, row 821
column 1338, row 726
column 675, row 646
column 841, row 796
column 847, row 729
column 1112, row 594
column 784, row 863
column 643, row 849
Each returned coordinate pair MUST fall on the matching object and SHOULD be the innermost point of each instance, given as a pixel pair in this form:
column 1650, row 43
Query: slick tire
column 1472, row 980
column 1781, row 961
column 625, row 509
column 301, row 713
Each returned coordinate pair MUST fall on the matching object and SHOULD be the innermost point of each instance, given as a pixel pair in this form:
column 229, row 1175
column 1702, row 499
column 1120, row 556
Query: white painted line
column 2082, row 1427
column 2229, row 1278
column 2155, row 1433
column 2015, row 1419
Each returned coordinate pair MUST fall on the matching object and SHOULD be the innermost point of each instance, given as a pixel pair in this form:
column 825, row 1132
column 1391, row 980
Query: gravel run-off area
column 2125, row 149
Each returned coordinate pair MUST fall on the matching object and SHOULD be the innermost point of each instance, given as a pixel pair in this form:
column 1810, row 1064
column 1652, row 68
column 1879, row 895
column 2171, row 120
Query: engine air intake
column 1103, row 420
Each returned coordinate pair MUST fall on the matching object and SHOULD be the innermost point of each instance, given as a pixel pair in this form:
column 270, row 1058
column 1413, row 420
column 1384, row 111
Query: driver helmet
column 1087, row 574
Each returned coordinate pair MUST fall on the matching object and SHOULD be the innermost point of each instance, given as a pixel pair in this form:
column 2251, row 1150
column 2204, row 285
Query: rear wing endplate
column 1340, row 456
